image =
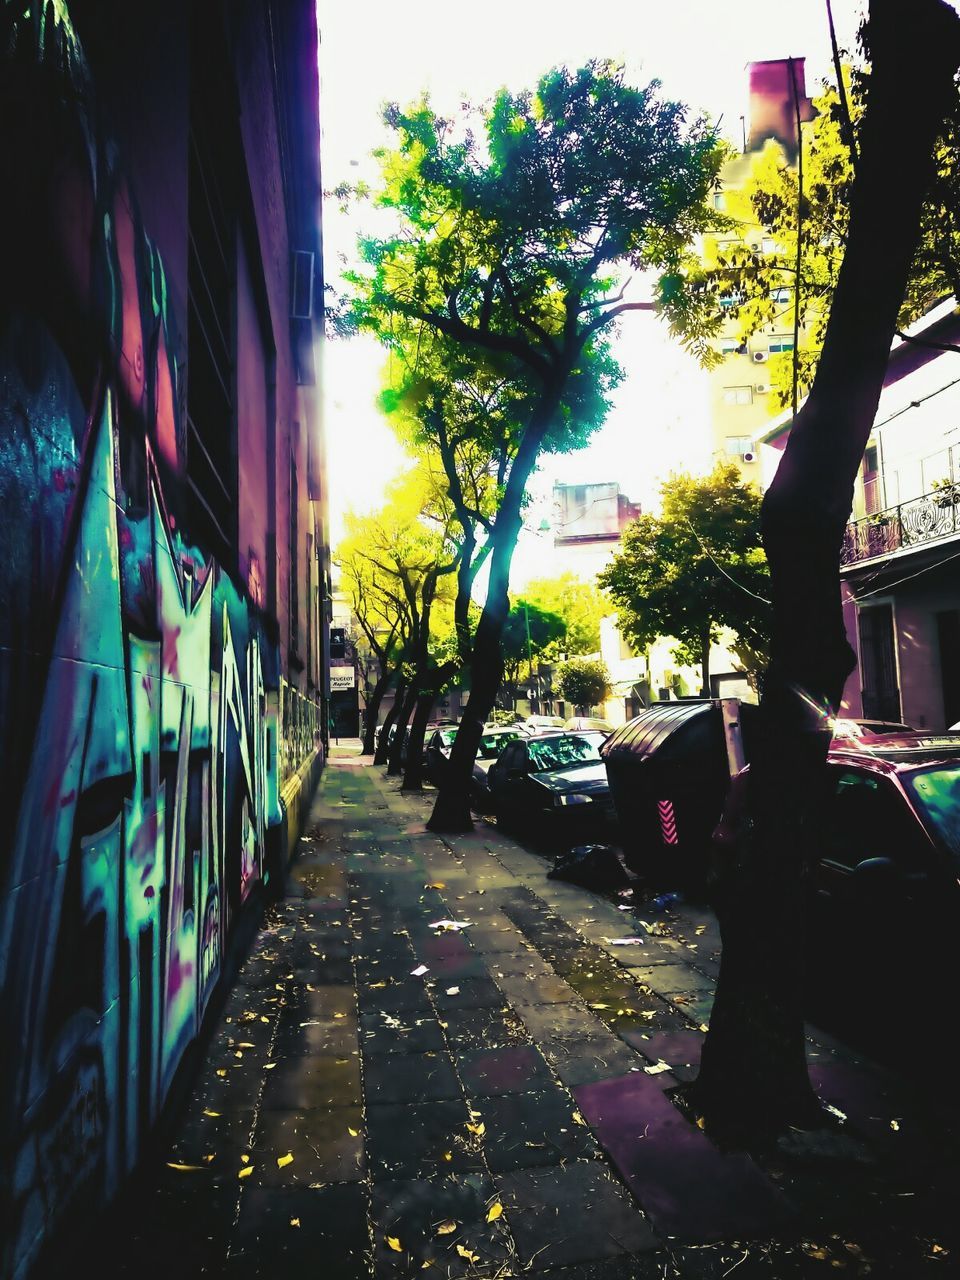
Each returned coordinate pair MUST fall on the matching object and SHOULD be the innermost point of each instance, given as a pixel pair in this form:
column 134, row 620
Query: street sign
column 342, row 678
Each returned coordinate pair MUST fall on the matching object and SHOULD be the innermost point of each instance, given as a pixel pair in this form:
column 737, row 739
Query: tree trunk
column 394, row 763
column 380, row 755
column 413, row 774
column 373, row 709
column 753, row 1079
column 451, row 812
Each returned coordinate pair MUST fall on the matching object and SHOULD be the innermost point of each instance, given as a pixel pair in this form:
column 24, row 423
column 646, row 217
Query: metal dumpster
column 668, row 771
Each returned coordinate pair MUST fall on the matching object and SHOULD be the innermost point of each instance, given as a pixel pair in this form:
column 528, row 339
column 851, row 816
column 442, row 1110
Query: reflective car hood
column 588, row 778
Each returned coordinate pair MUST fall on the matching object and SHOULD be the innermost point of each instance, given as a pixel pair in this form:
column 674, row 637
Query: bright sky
column 372, row 52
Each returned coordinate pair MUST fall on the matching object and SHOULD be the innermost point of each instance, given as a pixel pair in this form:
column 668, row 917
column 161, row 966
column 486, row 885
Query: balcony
column 922, row 520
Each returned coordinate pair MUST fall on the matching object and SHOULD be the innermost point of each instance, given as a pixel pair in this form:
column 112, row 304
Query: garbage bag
column 595, row 866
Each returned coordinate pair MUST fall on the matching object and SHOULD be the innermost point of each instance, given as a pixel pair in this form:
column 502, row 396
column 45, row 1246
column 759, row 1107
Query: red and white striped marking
column 668, row 822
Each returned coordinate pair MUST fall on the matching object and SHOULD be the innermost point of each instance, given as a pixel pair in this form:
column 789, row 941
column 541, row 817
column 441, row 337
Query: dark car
column 492, row 742
column 553, row 783
column 844, row 727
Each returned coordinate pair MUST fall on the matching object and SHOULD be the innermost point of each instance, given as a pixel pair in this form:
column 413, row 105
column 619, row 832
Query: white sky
column 372, row 52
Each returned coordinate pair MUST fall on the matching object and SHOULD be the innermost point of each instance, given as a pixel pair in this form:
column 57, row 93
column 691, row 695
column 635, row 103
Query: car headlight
column 573, row 797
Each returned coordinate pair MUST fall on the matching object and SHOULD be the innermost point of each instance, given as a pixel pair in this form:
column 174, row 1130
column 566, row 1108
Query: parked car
column 553, row 783
column 535, row 723
column 845, row 727
column 493, row 740
column 576, row 724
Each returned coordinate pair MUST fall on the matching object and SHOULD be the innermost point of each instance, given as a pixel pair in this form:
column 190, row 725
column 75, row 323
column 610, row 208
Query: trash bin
column 668, row 775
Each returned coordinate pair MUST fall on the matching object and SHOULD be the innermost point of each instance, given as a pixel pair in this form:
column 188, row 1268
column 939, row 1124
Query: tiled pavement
column 388, row 1096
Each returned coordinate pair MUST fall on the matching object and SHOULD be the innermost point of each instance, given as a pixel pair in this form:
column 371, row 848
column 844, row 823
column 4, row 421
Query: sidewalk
column 388, row 1095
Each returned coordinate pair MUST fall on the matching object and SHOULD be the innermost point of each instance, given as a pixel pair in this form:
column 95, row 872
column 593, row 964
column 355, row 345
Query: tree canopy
column 583, row 681
column 528, row 632
column 581, row 604
column 696, row 567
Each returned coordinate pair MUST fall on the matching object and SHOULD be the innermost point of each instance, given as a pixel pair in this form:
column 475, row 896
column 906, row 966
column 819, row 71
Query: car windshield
column 491, row 744
column 447, row 736
column 563, row 750
column 937, row 793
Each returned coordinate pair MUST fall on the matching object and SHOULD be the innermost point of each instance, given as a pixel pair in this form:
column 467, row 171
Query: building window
column 780, row 342
column 731, row 346
column 211, row 462
column 769, row 245
column 738, row 395
column 780, row 295
column 719, row 200
column 738, row 446
column 294, row 557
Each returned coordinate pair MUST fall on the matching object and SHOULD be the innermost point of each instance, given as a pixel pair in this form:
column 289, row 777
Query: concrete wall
column 140, row 676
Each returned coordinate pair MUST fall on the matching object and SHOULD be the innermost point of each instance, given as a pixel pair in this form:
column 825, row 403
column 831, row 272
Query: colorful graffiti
column 139, row 693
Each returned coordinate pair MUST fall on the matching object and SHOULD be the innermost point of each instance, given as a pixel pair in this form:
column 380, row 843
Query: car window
column 511, row 758
column 937, row 793
column 865, row 817
column 447, row 736
column 491, row 744
column 563, row 750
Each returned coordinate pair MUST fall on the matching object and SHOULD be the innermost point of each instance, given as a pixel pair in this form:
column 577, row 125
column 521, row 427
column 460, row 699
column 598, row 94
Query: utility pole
column 526, row 619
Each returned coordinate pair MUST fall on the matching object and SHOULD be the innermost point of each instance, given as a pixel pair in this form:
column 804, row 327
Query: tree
column 528, row 632
column 696, row 567
column 808, row 223
column 583, row 681
column 581, row 605
column 754, row 1073
column 511, row 245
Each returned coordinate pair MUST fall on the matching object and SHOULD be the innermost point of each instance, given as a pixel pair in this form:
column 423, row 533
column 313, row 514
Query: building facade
column 899, row 575
column 161, row 471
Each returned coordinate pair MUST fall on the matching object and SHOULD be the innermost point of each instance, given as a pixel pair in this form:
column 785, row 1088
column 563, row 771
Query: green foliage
column 673, row 574
column 761, row 286
column 525, row 622
column 583, row 681
column 581, row 605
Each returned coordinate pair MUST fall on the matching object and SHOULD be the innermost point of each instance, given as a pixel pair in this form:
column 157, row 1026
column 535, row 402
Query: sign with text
column 342, row 678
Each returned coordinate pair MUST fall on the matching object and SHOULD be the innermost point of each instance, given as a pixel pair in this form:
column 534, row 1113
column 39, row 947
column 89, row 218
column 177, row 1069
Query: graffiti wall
column 139, row 688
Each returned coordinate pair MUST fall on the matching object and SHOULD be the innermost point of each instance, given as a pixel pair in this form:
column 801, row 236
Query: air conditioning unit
column 301, row 294
column 749, row 456
column 759, row 357
column 761, row 388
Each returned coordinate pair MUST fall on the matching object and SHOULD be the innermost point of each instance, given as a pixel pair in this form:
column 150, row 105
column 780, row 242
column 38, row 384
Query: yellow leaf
column 395, row 1244
column 478, row 1129
column 465, row 1253
column 448, row 1155
column 376, row 986
column 427, row 1263
column 264, row 1018
column 221, row 1071
column 495, row 1211
column 437, row 884
column 184, row 1168
column 209, row 1157
column 245, row 1159
column 246, row 1171
column 578, row 1118
column 268, row 1066
column 599, row 1005
column 446, row 1228
column 210, row 1113
column 339, row 1015
column 354, row 1133
column 294, row 1222
column 284, row 1160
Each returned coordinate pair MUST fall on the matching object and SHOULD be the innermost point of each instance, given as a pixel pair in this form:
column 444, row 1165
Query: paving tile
column 572, row 1213
column 524, row 1130
column 518, row 1069
column 420, row 1140
column 690, row 1189
column 306, row 1084
column 470, row 993
column 561, row 1022
column 410, row 1211
column 331, row 1237
column 404, row 994
column 410, row 1077
column 321, row 1142
column 301, row 1034
column 411, row 1032
column 483, row 1028
column 587, row 1061
column 549, row 989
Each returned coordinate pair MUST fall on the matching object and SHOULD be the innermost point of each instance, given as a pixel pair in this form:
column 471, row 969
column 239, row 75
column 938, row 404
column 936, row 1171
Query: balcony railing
column 925, row 519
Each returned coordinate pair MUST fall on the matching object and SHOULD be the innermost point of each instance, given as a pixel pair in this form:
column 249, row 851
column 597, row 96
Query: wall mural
column 138, row 700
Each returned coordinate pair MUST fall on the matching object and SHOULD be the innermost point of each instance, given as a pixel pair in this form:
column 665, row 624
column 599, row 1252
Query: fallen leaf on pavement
column 394, row 1244
column 657, row 1068
column 282, row 1161
column 495, row 1211
column 419, row 971
column 210, row 1113
column 437, row 884
column 294, row 1222
column 478, row 1129
column 246, row 1171
column 184, row 1168
column 446, row 1228
column 578, row 1118
column 453, row 991
column 354, row 1133
column 464, row 1252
